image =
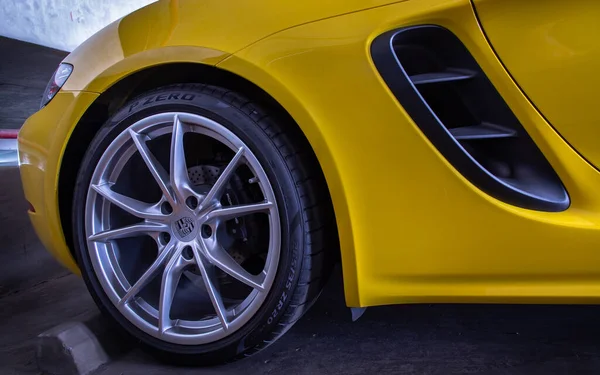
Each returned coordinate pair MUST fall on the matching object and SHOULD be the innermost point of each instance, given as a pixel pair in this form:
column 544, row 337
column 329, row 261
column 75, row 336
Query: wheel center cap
column 185, row 228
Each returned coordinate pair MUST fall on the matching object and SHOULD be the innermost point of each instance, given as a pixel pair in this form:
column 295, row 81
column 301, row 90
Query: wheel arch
column 111, row 99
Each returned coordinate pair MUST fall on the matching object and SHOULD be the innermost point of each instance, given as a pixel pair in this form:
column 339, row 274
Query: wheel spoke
column 230, row 212
column 219, row 187
column 212, row 287
column 146, row 228
column 170, row 280
column 220, row 258
column 156, row 169
column 147, row 276
column 133, row 206
column 179, row 174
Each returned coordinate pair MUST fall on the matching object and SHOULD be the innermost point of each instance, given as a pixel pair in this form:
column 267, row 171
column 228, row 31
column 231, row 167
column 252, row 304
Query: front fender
column 139, row 41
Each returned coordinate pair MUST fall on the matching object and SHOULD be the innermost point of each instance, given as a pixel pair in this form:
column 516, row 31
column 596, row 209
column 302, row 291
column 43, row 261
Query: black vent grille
column 444, row 90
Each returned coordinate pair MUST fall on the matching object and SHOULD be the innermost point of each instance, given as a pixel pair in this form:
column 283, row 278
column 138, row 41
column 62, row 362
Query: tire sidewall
column 187, row 98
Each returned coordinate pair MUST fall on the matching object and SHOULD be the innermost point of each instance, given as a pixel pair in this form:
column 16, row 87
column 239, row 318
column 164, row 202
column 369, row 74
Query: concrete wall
column 61, row 24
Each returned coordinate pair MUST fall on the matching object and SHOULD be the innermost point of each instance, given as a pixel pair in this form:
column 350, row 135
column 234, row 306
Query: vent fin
column 448, row 75
column 446, row 93
column 483, row 131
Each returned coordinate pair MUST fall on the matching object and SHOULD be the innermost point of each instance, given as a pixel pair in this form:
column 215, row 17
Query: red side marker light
column 9, row 133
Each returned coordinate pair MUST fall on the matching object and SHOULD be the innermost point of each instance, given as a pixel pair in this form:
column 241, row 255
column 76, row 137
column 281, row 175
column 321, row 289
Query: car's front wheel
column 202, row 224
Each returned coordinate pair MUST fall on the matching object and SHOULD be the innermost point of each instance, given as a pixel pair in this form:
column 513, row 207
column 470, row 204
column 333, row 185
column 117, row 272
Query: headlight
column 56, row 82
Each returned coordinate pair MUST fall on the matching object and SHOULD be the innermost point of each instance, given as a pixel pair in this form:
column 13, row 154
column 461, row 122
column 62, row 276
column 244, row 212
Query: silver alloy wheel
column 186, row 226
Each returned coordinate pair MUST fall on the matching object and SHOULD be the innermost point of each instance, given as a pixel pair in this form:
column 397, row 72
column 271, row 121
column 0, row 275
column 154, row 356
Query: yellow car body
column 411, row 227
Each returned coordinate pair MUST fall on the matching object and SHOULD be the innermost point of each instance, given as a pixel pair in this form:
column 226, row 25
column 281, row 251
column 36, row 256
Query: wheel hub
column 185, row 229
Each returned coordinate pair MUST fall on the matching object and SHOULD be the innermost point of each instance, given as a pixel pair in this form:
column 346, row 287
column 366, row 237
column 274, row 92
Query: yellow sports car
column 204, row 164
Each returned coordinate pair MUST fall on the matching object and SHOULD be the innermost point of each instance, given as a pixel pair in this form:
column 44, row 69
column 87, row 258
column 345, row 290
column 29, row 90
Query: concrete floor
column 37, row 294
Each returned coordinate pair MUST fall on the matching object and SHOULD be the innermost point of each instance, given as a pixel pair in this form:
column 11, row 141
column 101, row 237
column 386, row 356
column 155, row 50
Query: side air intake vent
column 446, row 93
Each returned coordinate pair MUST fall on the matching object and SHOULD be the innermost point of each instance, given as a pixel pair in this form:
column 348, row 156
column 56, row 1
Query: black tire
column 309, row 235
